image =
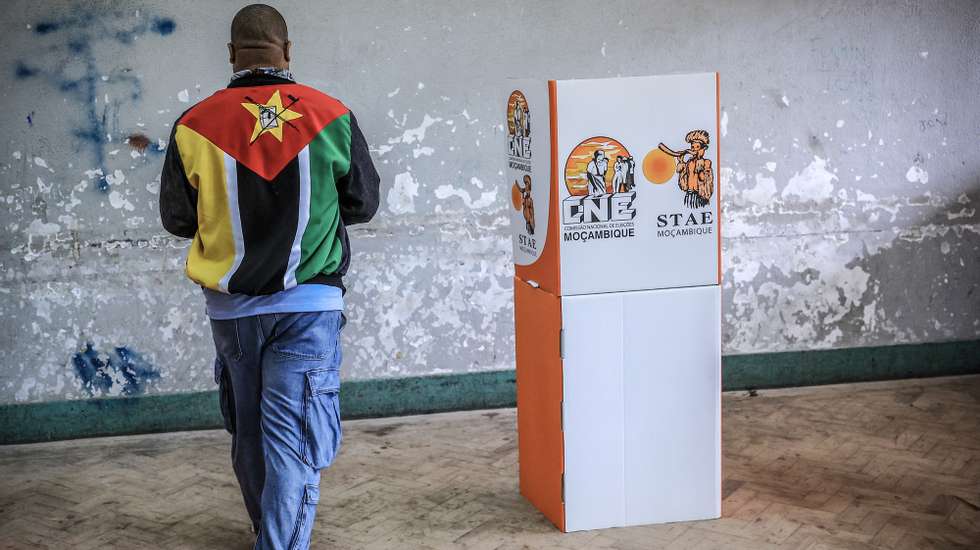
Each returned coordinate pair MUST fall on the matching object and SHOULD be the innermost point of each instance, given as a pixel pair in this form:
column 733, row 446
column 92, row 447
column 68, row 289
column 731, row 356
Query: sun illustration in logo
column 516, row 197
column 518, row 115
column 597, row 166
column 658, row 166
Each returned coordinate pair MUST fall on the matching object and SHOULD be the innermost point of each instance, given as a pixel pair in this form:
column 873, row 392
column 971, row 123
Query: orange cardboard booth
column 616, row 213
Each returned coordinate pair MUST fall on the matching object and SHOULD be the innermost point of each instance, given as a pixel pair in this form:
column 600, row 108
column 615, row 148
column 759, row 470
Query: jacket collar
column 261, row 76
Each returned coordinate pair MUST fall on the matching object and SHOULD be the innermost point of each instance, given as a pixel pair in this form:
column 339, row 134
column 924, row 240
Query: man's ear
column 285, row 50
column 231, row 53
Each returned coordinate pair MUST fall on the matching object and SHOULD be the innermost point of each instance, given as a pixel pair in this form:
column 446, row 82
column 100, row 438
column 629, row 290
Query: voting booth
column 617, row 252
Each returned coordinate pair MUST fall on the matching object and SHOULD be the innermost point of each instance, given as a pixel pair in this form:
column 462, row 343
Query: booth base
column 537, row 316
column 642, row 407
column 619, row 405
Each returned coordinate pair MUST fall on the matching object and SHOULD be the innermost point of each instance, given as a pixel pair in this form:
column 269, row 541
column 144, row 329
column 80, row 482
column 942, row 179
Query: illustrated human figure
column 630, row 173
column 519, row 116
column 695, row 176
column 596, row 173
column 527, row 204
column 619, row 174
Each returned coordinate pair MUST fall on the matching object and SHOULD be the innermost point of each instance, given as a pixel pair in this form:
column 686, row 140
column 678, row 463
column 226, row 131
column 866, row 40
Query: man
column 527, row 204
column 694, row 173
column 519, row 120
column 265, row 176
column 596, row 173
column 619, row 175
column 630, row 174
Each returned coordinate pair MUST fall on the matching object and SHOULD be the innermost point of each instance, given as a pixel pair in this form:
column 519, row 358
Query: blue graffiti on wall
column 124, row 366
column 66, row 59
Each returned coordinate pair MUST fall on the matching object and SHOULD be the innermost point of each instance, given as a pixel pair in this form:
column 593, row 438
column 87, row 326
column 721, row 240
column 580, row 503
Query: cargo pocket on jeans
column 226, row 399
column 321, row 431
column 304, row 519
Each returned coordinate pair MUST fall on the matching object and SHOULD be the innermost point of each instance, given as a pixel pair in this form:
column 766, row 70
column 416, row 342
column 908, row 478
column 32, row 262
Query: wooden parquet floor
column 884, row 465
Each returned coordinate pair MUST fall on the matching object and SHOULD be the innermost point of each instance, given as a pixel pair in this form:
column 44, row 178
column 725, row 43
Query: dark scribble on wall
column 66, row 60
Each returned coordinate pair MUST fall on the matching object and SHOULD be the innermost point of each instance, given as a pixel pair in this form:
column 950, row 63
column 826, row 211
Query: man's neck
column 262, row 65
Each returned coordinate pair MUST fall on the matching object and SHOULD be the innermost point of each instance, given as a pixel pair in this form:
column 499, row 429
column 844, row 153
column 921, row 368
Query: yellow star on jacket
column 270, row 117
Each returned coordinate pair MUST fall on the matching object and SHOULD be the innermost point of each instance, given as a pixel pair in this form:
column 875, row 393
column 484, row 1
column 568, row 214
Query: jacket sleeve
column 358, row 191
column 178, row 199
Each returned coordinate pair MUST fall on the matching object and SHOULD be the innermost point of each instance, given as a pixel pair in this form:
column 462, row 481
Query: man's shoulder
column 316, row 94
column 200, row 105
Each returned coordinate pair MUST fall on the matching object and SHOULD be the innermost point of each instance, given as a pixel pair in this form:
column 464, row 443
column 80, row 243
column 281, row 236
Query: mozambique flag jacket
column 264, row 176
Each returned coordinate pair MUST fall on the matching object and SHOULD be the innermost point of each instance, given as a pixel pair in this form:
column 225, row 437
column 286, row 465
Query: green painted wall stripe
column 32, row 422
column 54, row 420
column 840, row 366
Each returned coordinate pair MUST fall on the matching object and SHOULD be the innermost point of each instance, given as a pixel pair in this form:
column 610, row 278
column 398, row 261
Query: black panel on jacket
column 178, row 200
column 270, row 214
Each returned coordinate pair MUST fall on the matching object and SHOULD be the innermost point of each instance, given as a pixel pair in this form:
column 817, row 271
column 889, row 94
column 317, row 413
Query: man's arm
column 178, row 199
column 359, row 191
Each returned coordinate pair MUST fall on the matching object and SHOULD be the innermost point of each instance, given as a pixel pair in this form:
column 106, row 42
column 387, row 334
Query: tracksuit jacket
column 265, row 175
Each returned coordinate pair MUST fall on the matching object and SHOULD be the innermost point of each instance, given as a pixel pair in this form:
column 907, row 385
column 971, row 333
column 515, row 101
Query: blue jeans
column 278, row 376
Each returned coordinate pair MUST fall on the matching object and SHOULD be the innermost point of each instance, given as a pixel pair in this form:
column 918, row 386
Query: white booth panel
column 593, row 411
column 642, row 407
column 529, row 162
column 672, row 404
column 638, row 113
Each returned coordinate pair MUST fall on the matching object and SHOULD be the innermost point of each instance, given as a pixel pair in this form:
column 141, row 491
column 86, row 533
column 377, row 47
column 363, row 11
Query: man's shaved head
column 259, row 38
column 258, row 23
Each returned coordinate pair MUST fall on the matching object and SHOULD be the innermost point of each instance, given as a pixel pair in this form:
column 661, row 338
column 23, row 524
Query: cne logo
column 600, row 178
column 518, row 126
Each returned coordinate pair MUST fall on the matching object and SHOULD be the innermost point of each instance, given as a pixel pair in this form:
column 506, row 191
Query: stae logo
column 695, row 177
column 601, row 197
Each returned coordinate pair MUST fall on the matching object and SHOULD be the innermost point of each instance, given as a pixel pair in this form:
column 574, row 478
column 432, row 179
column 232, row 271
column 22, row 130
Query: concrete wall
column 849, row 147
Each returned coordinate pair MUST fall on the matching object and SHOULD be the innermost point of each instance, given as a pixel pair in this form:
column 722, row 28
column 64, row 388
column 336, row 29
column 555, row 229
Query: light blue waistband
column 300, row 298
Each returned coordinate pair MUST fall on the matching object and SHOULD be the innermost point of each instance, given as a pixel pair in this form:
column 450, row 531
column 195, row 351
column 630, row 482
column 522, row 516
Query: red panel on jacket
column 263, row 127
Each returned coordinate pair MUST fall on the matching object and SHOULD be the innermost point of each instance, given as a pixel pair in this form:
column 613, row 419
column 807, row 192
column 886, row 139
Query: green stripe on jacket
column 321, row 248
